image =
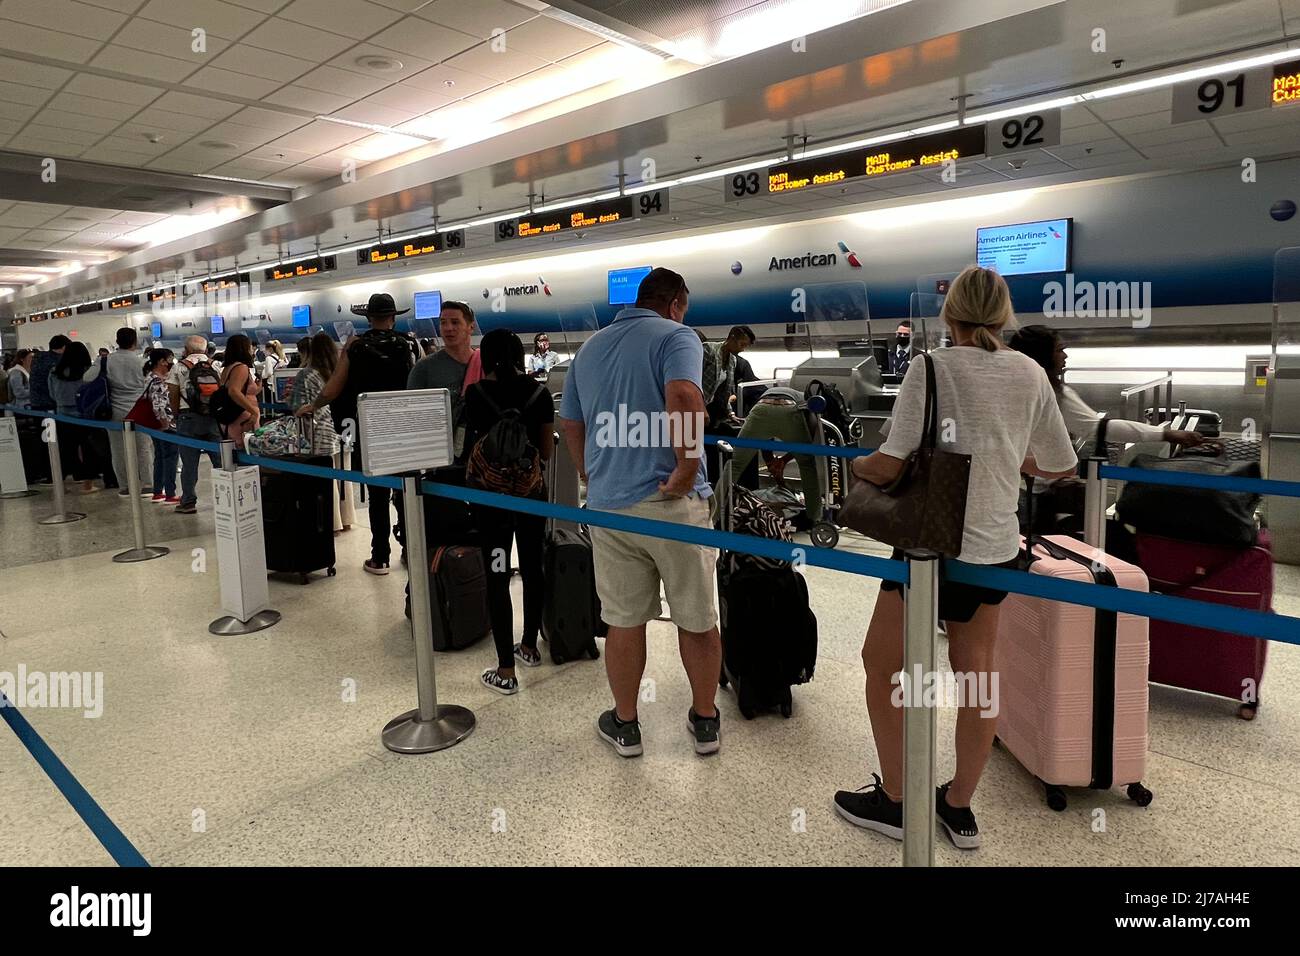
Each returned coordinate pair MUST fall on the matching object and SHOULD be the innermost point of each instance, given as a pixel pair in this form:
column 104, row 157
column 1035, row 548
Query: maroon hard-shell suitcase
column 1196, row 658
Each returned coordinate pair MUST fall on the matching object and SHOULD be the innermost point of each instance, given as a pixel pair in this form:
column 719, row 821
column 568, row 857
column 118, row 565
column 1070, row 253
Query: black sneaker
column 871, row 808
column 375, row 567
column 958, row 821
column 705, row 731
column 492, row 680
column 528, row 656
column 625, row 738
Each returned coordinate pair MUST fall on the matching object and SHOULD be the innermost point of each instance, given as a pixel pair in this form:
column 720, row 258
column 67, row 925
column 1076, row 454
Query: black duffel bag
column 1204, row 515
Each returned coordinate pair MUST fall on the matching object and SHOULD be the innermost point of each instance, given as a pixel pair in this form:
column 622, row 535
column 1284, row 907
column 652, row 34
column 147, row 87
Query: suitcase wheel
column 303, row 577
column 748, row 712
column 824, row 534
column 1248, row 711
column 594, row 653
column 722, row 677
column 787, row 709
column 331, row 571
column 1139, row 794
column 1055, row 797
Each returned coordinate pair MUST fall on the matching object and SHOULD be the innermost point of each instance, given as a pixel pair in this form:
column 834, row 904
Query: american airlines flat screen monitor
column 1026, row 248
column 624, row 283
column 217, row 325
column 428, row 305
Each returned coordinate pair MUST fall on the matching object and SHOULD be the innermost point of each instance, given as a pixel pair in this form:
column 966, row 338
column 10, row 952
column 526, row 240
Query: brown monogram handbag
column 925, row 507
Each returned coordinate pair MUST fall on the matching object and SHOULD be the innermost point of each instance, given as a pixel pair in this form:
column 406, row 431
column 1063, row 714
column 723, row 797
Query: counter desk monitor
column 301, row 316
column 217, row 325
column 857, row 377
column 282, row 383
column 155, row 330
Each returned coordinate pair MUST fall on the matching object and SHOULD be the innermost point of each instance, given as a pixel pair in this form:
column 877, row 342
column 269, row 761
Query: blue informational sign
column 217, row 325
column 1027, row 248
column 155, row 329
column 623, row 284
column 302, row 316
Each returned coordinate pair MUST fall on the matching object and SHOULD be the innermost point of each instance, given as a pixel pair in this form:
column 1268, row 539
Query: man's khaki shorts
column 629, row 568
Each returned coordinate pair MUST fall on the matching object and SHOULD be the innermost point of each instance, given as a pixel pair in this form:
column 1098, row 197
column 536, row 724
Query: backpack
column 222, row 406
column 378, row 361
column 93, row 399
column 201, row 384
column 504, row 460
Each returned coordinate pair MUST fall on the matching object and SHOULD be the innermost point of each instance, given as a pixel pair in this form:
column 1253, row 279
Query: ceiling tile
column 241, row 58
column 154, row 120
column 321, row 136
column 247, row 137
column 263, row 6
column 92, row 106
column 353, row 18
column 137, row 146
column 1072, row 116
column 234, row 84
column 177, row 102
column 19, row 94
column 436, row 78
column 301, row 98
column 1173, row 134
column 119, row 90
column 66, row 16
column 281, row 153
column 269, row 119
column 121, row 6
column 1144, row 123
column 143, row 64
column 368, row 112
column 479, row 18
column 505, row 65
column 549, row 39
column 410, row 64
column 79, row 137
column 407, row 99
column 33, row 74
column 330, row 79
column 1154, row 101
column 1182, row 150
column 276, row 35
column 166, row 40
column 424, row 39
column 45, row 146
column 1086, row 134
column 28, row 215
column 1100, row 147
column 246, row 167
column 59, row 46
column 217, row 18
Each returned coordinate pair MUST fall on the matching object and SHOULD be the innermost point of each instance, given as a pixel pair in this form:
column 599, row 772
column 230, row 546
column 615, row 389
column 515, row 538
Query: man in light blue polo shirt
column 633, row 417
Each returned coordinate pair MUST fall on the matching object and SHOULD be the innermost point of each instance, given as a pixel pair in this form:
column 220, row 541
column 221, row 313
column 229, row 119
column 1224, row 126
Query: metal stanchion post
column 60, row 516
column 141, row 551
column 920, row 653
column 1094, row 506
column 432, row 726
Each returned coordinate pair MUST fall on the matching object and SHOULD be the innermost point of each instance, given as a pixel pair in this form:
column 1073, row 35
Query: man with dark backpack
column 191, row 385
column 378, row 360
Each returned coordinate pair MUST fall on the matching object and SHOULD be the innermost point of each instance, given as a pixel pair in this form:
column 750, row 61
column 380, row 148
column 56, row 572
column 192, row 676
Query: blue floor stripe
column 105, row 830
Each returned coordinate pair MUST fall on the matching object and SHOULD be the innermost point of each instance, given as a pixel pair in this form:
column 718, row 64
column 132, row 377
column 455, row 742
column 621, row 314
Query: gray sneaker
column 624, row 738
column 705, row 731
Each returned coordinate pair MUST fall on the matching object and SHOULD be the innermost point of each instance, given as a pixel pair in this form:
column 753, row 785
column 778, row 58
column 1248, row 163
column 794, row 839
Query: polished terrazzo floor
column 244, row 751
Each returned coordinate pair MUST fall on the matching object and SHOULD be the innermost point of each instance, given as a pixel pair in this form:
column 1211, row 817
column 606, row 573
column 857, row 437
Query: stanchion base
column 408, row 734
column 65, row 518
column 18, row 494
column 233, row 625
column 147, row 553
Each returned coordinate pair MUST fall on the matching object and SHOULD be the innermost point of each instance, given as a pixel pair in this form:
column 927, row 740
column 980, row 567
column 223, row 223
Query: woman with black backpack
column 509, row 437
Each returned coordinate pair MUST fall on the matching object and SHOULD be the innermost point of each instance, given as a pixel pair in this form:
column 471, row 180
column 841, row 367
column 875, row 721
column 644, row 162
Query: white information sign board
column 407, row 431
column 241, row 550
column 12, row 478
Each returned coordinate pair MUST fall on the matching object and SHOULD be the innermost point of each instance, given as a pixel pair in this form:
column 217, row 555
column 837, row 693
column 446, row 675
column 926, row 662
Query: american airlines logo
column 532, row 288
column 813, row 260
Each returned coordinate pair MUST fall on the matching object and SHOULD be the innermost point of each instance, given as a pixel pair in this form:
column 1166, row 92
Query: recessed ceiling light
column 449, row 83
column 379, row 64
column 217, row 144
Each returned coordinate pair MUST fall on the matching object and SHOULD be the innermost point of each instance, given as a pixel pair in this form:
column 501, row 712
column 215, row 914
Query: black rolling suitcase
column 298, row 519
column 458, row 592
column 571, row 615
column 769, row 632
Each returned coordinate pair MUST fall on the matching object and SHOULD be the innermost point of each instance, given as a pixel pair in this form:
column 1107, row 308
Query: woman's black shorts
column 958, row 602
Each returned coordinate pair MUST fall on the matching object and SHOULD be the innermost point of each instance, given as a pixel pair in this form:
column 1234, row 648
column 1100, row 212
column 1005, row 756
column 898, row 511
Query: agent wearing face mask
column 901, row 356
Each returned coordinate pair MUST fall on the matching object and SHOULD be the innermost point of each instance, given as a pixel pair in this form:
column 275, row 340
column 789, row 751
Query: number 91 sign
column 1212, row 97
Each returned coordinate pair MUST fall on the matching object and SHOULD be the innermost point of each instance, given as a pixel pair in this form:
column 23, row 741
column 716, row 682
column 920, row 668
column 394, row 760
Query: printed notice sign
column 12, row 478
column 241, row 551
column 401, row 432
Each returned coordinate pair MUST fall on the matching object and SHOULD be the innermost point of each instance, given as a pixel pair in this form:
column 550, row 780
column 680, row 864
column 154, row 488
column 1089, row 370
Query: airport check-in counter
column 858, row 377
column 1284, row 458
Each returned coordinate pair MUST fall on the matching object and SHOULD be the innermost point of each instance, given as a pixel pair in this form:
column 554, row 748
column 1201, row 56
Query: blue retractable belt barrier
column 317, row 471
column 791, row 447
column 862, row 564
column 70, row 419
column 104, row 829
column 1182, row 479
column 175, row 439
column 1163, row 607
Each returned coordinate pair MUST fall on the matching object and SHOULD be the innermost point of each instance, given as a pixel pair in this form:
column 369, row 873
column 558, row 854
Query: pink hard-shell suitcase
column 1195, row 658
column 1073, row 680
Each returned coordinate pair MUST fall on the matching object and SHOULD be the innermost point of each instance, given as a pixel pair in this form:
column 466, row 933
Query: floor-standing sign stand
column 51, row 436
column 403, row 433
column 13, row 480
column 241, row 549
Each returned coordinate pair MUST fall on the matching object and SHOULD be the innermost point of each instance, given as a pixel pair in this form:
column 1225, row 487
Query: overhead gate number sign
column 653, row 202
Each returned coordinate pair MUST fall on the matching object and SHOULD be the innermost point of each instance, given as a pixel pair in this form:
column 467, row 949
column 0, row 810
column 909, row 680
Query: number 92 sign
column 1011, row 134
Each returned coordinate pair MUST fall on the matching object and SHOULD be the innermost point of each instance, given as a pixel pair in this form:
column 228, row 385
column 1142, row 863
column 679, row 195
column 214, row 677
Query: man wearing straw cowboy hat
column 378, row 360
